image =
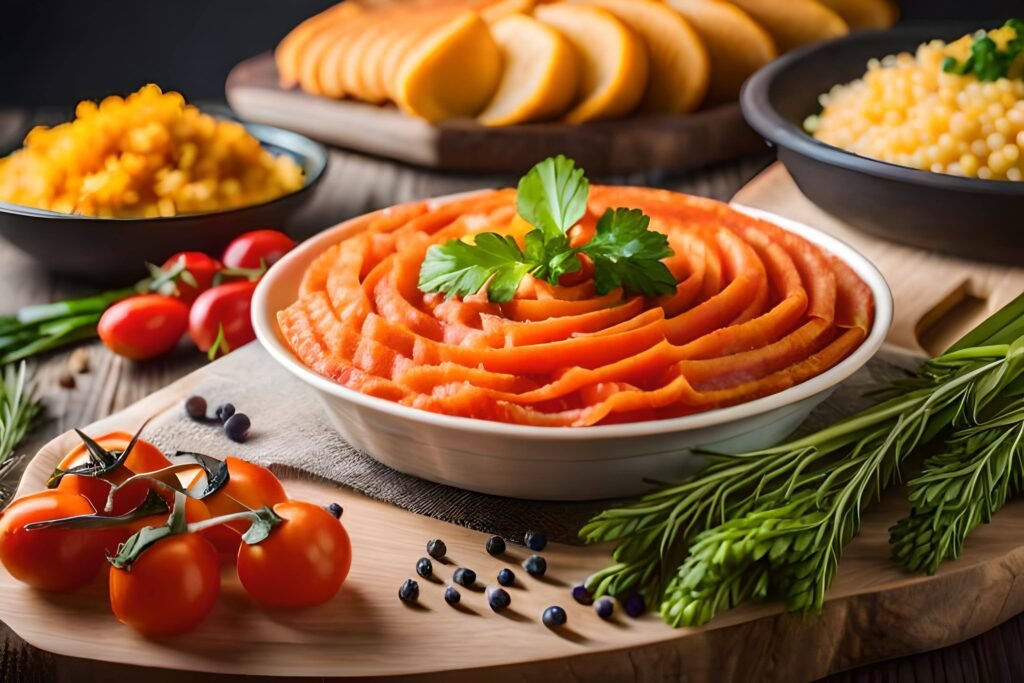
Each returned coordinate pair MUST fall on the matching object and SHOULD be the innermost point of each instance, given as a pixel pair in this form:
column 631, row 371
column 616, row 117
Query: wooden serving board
column 937, row 297
column 873, row 611
column 677, row 142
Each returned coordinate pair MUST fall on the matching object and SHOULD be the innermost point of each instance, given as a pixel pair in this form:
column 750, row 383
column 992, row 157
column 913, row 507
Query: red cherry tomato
column 249, row 486
column 252, row 249
column 223, row 307
column 144, row 457
column 52, row 559
column 143, row 326
column 170, row 588
column 201, row 267
column 303, row 561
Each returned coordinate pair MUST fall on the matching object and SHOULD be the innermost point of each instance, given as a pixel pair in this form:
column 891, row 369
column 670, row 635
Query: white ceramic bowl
column 554, row 463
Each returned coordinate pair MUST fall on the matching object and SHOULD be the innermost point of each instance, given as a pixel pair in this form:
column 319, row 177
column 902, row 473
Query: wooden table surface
column 356, row 184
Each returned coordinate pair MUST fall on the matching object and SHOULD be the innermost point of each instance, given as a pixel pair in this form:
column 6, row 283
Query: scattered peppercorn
column 536, row 540
column 335, row 510
column 195, row 407
column 223, row 412
column 581, row 595
column 237, row 427
column 554, row 617
column 436, row 548
column 535, row 565
column 506, row 577
column 425, row 568
column 495, row 546
column 498, row 598
column 409, row 592
column 464, row 577
column 635, row 605
column 604, row 607
column 452, row 595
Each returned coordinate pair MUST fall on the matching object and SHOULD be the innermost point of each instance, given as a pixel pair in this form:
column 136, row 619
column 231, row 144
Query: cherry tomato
column 249, row 486
column 144, row 457
column 201, row 267
column 252, row 249
column 170, row 588
column 224, row 307
column 143, row 326
column 52, row 559
column 303, row 561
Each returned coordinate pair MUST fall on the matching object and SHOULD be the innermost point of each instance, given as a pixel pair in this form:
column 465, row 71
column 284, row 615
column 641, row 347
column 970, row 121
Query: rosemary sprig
column 961, row 488
column 773, row 523
column 19, row 408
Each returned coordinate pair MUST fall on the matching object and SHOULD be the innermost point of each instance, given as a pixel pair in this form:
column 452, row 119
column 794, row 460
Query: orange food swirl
column 757, row 310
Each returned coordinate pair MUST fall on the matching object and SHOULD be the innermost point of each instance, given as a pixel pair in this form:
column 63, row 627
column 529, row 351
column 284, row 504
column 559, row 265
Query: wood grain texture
column 874, row 610
column 641, row 143
column 930, row 290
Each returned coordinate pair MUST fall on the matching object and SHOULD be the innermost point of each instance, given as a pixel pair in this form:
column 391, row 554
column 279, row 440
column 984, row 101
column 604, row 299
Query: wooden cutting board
column 641, row 143
column 873, row 611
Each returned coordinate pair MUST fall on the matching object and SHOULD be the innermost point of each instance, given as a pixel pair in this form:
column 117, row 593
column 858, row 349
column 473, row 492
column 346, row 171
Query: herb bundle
column 772, row 524
column 19, row 408
column 552, row 198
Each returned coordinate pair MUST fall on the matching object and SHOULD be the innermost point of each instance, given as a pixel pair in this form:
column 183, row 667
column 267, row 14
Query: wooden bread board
column 641, row 143
column 873, row 611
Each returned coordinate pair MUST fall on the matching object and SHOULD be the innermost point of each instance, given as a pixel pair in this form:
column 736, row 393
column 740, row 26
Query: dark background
column 58, row 52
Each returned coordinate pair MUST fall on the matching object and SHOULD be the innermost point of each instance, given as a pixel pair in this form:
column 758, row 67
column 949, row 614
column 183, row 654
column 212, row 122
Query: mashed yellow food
column 145, row 155
column 908, row 110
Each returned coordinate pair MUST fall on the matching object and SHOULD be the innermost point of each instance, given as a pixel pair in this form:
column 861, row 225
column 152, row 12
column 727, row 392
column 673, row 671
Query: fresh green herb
column 626, row 253
column 987, row 62
column 19, row 408
column 773, row 523
column 961, row 488
column 460, row 269
column 553, row 198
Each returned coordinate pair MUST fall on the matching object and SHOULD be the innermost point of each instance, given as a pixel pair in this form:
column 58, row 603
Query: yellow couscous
column 953, row 109
column 146, row 155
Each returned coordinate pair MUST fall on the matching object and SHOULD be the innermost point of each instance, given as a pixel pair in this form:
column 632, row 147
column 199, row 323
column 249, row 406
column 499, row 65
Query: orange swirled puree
column 757, row 310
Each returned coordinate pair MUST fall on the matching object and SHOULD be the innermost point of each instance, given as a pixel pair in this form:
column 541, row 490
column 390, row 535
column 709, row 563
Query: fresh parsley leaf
column 554, row 257
column 626, row 253
column 552, row 197
column 458, row 268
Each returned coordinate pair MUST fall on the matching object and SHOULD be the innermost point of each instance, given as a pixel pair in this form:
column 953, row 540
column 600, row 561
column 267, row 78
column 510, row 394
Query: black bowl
column 115, row 250
column 967, row 217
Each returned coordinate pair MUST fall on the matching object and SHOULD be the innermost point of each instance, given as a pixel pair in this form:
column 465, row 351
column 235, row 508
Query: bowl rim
column 756, row 103
column 265, row 324
column 265, row 134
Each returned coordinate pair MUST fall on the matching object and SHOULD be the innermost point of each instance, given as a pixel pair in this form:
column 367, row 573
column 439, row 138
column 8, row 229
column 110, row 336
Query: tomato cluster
column 164, row 527
column 198, row 294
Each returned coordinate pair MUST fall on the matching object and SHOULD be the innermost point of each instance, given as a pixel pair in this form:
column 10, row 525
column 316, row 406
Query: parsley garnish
column 553, row 198
column 627, row 254
column 987, row 62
